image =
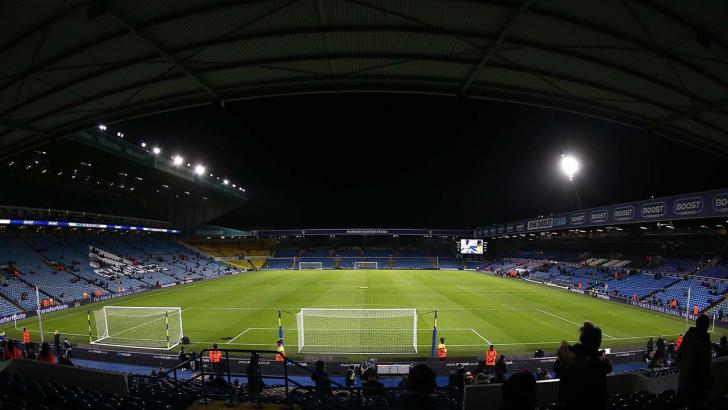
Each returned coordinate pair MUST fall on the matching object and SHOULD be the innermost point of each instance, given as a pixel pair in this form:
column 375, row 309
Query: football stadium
column 361, row 204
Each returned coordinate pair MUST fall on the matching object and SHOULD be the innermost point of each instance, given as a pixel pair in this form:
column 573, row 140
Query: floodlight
column 144, row 144
column 225, row 181
column 569, row 165
column 156, row 150
column 199, row 169
column 177, row 160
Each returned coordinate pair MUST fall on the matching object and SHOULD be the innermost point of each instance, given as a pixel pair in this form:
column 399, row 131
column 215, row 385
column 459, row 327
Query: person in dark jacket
column 255, row 375
column 421, row 384
column 583, row 369
column 321, row 379
column 501, row 368
column 721, row 349
column 57, row 343
column 694, row 359
column 519, row 392
column 370, row 385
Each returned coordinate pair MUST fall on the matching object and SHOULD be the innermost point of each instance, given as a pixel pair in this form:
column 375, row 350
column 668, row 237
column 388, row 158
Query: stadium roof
column 660, row 66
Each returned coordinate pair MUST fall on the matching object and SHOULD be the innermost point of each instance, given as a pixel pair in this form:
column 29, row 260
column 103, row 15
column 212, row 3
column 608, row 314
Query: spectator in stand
column 501, row 368
column 721, row 349
column 420, row 387
column 321, row 379
column 660, row 345
column 519, row 392
column 65, row 360
column 57, row 343
column 67, row 347
column 11, row 351
column 583, row 369
column 182, row 357
column 650, row 346
column 350, row 376
column 45, row 354
column 694, row 358
column 370, row 385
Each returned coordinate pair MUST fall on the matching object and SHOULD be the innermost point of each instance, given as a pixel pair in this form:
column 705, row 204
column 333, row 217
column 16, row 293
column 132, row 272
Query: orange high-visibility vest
column 281, row 353
column 215, row 356
column 26, row 337
column 490, row 356
column 678, row 342
column 441, row 351
column 696, row 310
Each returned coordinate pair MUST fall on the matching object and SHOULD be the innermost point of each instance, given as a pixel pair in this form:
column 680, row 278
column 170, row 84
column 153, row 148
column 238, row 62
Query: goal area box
column 310, row 265
column 138, row 327
column 357, row 331
column 366, row 265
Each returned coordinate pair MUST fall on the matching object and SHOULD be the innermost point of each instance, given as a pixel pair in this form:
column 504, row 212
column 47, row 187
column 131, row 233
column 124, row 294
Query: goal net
column 357, row 331
column 366, row 265
column 143, row 327
column 310, row 265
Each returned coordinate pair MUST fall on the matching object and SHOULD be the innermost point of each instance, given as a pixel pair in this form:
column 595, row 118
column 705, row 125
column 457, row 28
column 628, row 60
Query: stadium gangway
column 452, row 395
column 228, row 374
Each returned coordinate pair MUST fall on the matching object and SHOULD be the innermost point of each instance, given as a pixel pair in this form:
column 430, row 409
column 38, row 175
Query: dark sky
column 367, row 160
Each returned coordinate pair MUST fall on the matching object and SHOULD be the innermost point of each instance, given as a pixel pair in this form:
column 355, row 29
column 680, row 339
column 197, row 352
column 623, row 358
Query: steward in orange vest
column 26, row 339
column 490, row 358
column 696, row 310
column 442, row 350
column 215, row 357
column 280, row 356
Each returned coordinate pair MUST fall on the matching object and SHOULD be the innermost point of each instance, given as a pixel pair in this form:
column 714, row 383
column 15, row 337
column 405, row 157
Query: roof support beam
column 510, row 23
column 691, row 113
column 132, row 28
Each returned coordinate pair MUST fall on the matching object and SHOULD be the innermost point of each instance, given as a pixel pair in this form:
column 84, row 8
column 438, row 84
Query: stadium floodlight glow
column 156, row 150
column 102, row 127
column 570, row 166
column 225, row 182
column 199, row 169
column 177, row 160
column 144, row 144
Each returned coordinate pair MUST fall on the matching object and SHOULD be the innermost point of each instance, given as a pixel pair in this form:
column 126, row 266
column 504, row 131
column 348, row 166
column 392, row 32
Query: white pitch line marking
column 242, row 333
column 481, row 336
column 569, row 321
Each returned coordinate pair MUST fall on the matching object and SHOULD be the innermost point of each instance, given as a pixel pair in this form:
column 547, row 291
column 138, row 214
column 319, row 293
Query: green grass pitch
column 475, row 309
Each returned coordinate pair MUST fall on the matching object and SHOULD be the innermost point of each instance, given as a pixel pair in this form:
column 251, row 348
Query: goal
column 366, row 265
column 142, row 327
column 310, row 265
column 357, row 331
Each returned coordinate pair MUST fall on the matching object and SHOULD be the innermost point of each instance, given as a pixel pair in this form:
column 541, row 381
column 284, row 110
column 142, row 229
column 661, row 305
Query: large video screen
column 471, row 246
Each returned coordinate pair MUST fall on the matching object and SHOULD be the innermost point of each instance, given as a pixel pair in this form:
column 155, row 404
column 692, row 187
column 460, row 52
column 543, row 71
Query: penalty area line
column 480, row 336
column 241, row 333
column 569, row 321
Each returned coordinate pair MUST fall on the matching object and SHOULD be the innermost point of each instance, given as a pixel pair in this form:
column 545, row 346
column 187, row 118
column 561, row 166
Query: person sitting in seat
column 421, row 384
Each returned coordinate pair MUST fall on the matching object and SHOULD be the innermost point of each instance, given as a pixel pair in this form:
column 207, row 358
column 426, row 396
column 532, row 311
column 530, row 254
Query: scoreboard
column 472, row 246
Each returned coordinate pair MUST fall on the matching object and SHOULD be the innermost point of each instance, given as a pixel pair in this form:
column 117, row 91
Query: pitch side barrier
column 697, row 205
column 388, row 366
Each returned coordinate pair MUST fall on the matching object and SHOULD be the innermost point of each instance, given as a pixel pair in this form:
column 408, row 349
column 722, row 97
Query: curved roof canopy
column 658, row 65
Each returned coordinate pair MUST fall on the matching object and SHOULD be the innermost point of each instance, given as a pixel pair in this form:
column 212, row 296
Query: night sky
column 368, row 160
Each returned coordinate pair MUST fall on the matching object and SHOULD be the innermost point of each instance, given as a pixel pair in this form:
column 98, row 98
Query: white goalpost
column 357, row 331
column 140, row 327
column 366, row 265
column 310, row 265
